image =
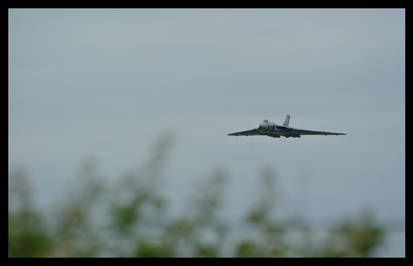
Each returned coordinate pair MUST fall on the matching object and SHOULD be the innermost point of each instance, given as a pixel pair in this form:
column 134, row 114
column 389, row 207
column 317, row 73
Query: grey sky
column 107, row 82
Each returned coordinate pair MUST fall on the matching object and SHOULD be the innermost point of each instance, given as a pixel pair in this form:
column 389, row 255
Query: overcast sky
column 106, row 83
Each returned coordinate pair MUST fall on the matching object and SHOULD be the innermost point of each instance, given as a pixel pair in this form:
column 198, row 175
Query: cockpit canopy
column 266, row 125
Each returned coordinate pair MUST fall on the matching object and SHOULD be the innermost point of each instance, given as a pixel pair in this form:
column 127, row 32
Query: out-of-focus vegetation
column 129, row 218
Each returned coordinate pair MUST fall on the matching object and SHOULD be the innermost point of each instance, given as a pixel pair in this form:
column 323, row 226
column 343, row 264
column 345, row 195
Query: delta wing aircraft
column 273, row 130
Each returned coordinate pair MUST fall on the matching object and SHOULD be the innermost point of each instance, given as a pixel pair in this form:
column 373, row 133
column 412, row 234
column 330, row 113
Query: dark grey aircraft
column 273, row 130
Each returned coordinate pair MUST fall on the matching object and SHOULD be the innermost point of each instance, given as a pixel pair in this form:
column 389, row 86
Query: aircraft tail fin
column 286, row 121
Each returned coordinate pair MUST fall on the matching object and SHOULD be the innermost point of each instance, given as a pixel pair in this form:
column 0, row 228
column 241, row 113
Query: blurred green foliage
column 130, row 219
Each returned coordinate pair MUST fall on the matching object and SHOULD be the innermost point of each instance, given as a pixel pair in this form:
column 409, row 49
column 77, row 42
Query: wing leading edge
column 313, row 132
column 290, row 133
column 251, row 132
